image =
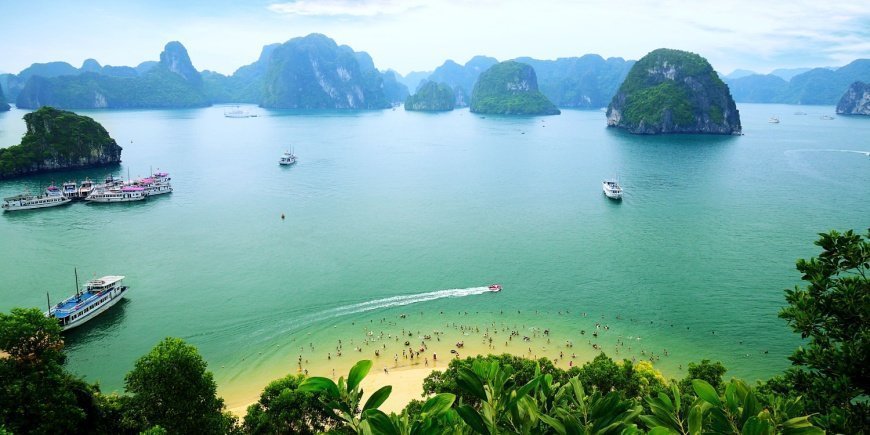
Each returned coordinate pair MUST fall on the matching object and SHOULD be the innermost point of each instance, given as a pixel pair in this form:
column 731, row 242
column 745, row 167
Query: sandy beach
column 404, row 355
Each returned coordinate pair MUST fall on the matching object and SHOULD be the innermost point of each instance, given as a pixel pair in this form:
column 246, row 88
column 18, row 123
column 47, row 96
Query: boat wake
column 265, row 328
column 866, row 153
column 398, row 301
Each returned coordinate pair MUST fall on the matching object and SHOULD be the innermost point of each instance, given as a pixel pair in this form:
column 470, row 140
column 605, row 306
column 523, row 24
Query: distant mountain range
column 313, row 72
column 822, row 86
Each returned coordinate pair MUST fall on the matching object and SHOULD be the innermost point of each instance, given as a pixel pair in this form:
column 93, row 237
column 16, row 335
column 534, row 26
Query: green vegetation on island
column 313, row 72
column 170, row 390
column 172, row 82
column 856, row 100
column 58, row 140
column 673, row 91
column 586, row 82
column 461, row 78
column 510, row 88
column 431, row 97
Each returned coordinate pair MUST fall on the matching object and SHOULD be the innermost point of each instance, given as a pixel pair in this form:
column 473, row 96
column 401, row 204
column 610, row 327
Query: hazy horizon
column 414, row 35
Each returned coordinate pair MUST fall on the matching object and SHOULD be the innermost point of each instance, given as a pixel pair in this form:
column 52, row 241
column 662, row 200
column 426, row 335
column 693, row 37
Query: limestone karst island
column 384, row 217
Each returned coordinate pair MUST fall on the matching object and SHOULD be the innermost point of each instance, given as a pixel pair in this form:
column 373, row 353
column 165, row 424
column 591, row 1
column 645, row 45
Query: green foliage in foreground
column 170, row 391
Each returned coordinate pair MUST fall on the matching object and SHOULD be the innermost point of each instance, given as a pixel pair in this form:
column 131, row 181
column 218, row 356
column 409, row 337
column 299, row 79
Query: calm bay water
column 387, row 204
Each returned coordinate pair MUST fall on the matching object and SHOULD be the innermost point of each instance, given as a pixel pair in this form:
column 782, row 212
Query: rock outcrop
column 171, row 83
column 58, row 140
column 313, row 72
column 586, row 82
column 510, row 88
column 461, row 77
column 431, row 97
column 4, row 106
column 673, row 91
column 856, row 100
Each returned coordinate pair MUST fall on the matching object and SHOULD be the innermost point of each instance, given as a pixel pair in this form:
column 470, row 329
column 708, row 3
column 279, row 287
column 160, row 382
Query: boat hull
column 7, row 207
column 108, row 304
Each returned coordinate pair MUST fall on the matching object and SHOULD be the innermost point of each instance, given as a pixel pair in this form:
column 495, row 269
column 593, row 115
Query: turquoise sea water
column 385, row 206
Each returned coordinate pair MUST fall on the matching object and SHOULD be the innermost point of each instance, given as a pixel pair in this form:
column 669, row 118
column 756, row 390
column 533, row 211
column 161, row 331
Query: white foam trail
column 398, row 301
column 866, row 153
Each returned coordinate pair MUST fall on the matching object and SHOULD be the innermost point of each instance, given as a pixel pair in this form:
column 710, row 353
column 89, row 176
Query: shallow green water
column 386, row 204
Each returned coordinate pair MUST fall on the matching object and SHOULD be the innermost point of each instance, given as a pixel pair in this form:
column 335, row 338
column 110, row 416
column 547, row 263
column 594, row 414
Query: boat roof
column 131, row 189
column 17, row 197
column 72, row 304
column 105, row 281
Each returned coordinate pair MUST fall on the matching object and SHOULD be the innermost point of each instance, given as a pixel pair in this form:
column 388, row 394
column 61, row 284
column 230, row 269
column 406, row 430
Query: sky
column 419, row 35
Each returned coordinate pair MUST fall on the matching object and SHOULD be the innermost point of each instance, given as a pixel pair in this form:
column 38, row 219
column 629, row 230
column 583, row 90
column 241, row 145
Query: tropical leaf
column 377, row 398
column 470, row 382
column 320, row 384
column 379, row 422
column 706, row 392
column 357, row 373
column 438, row 404
column 473, row 419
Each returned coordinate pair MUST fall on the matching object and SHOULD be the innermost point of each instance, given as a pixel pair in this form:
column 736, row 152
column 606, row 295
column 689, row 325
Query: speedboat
column 69, row 189
column 287, row 158
column 495, row 288
column 97, row 296
column 773, row 120
column 826, row 117
column 611, row 189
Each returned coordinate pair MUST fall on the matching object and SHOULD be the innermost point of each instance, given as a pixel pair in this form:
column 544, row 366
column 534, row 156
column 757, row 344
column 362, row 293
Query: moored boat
column 612, row 189
column 97, row 296
column 153, row 187
column 86, row 188
column 124, row 194
column 52, row 198
column 287, row 158
column 70, row 190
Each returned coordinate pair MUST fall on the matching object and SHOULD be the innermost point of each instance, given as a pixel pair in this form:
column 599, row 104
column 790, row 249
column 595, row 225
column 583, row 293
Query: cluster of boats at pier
column 111, row 190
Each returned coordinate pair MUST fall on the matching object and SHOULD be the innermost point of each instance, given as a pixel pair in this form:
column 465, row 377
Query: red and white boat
column 495, row 288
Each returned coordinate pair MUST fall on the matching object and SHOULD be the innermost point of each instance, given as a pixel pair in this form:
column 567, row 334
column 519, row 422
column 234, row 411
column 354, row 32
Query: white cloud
column 353, row 8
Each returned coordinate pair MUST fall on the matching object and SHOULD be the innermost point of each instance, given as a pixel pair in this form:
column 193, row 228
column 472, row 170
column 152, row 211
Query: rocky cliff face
column 313, row 72
column 4, row 106
column 171, row 83
column 856, row 100
column 461, row 77
column 58, row 140
column 673, row 91
column 510, row 88
column 431, row 97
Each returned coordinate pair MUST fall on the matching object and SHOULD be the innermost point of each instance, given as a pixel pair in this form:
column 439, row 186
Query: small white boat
column 124, row 194
column 800, row 113
column 495, row 288
column 826, row 117
column 97, row 296
column 287, row 158
column 239, row 113
column 69, row 189
column 612, row 189
column 52, row 198
column 773, row 120
column 86, row 188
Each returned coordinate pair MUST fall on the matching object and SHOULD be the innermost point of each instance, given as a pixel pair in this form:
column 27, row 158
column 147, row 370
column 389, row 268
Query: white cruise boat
column 124, row 194
column 612, row 189
column 97, row 296
column 287, row 158
column 52, row 198
column 153, row 187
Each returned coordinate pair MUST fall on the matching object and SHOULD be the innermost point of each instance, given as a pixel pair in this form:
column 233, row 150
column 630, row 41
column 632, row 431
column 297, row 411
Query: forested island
column 170, row 390
column 172, row 82
column 673, row 91
column 58, row 140
column 431, row 97
column 4, row 106
column 856, row 100
column 510, row 88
